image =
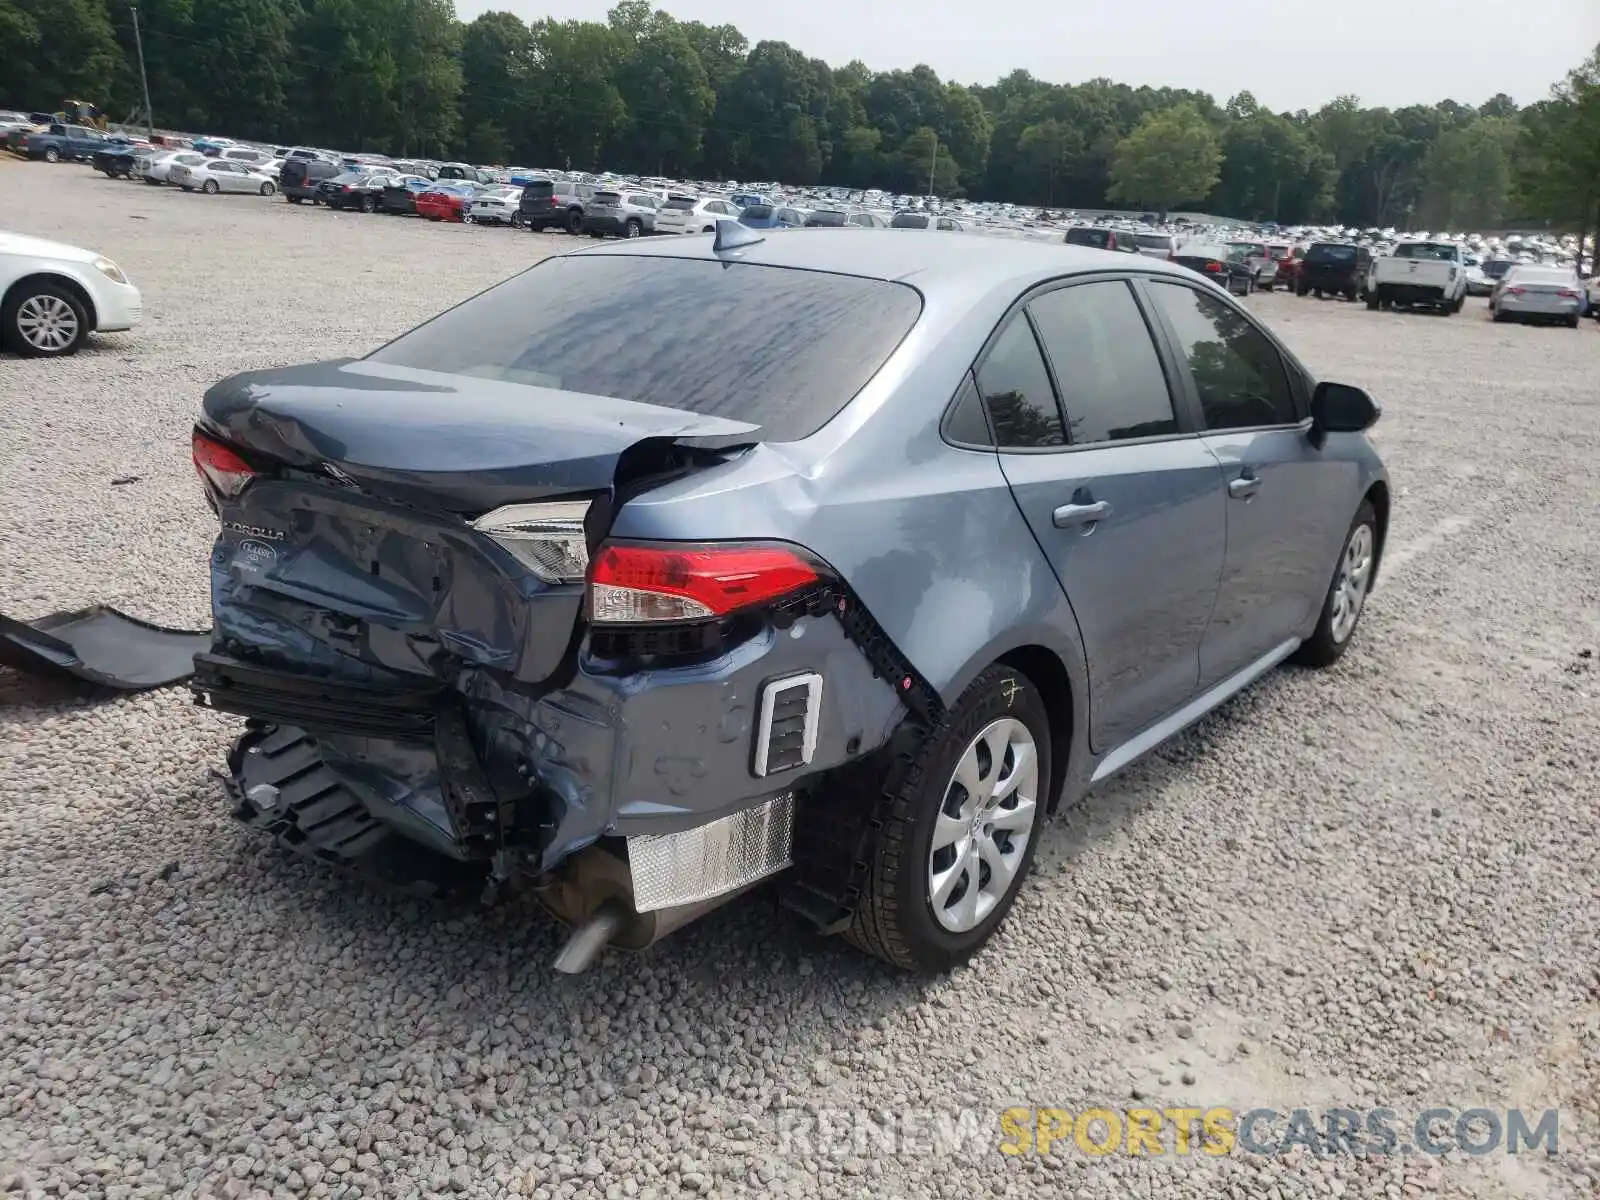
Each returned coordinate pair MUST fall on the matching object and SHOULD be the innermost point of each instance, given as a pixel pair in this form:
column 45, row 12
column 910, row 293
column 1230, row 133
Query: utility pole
column 933, row 162
column 144, row 82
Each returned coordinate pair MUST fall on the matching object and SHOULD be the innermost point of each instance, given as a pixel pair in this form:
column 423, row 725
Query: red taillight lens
column 1214, row 268
column 1567, row 293
column 219, row 467
column 631, row 584
column 1516, row 291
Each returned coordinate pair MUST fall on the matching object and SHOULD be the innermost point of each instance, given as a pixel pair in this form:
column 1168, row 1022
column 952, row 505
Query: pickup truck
column 1263, row 266
column 1431, row 274
column 60, row 141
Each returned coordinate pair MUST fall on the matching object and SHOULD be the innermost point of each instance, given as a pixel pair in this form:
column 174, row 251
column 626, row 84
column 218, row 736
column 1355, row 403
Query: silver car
column 931, row 536
column 1536, row 293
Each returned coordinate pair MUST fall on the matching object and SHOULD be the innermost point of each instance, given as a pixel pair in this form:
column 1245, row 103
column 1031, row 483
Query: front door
column 1123, row 500
column 1279, row 487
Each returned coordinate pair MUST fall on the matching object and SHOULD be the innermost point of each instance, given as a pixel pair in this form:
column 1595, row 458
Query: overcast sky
column 1290, row 53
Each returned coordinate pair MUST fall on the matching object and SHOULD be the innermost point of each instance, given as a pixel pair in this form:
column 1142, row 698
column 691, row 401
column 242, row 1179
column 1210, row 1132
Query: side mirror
column 1341, row 408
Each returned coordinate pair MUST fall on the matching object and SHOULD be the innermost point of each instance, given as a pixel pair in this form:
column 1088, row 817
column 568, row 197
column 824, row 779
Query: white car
column 685, row 214
column 153, row 167
column 56, row 295
column 212, row 175
column 495, row 205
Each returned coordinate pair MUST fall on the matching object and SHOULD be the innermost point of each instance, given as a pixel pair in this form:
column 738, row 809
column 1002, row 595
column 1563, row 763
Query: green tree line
column 646, row 92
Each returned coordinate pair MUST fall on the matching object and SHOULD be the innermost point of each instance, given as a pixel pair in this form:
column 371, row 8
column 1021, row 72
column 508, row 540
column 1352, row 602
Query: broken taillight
column 547, row 538
column 642, row 583
column 222, row 470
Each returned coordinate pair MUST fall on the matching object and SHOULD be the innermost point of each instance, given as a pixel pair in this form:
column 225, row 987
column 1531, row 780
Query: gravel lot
column 1378, row 886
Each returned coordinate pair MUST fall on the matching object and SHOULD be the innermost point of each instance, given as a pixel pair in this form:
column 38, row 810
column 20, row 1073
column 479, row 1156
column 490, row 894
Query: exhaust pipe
column 591, row 936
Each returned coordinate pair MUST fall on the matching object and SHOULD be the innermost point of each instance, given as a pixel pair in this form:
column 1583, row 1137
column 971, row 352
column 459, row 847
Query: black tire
column 293, row 199
column 52, row 155
column 1322, row 648
column 368, row 204
column 516, row 220
column 1317, row 292
column 597, row 235
column 574, row 221
column 268, row 188
column 209, row 187
column 1301, row 291
column 1351, row 295
column 1372, row 303
column 1572, row 321
column 632, row 228
column 11, row 331
column 894, row 918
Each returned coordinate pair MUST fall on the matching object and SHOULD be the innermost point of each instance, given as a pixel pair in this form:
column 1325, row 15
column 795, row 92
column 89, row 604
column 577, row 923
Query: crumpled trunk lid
column 352, row 555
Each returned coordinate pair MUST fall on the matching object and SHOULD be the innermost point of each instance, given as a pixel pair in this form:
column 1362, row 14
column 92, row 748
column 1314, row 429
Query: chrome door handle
column 1244, row 487
column 1069, row 515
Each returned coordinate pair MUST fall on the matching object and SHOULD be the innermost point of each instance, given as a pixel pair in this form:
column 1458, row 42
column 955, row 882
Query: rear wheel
column 52, row 155
column 1372, row 302
column 1572, row 321
column 368, row 204
column 574, row 222
column 632, row 229
column 293, row 199
column 1347, row 594
column 961, row 829
column 209, row 187
column 268, row 188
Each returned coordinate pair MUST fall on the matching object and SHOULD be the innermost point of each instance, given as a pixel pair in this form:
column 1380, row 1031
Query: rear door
column 1282, row 494
column 1122, row 496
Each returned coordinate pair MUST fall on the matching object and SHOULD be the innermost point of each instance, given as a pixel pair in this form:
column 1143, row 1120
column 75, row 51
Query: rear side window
column 1434, row 250
column 757, row 212
column 1237, row 372
column 572, row 323
column 1100, row 239
column 1016, row 389
column 679, row 205
column 1153, row 241
column 1111, row 380
column 1331, row 254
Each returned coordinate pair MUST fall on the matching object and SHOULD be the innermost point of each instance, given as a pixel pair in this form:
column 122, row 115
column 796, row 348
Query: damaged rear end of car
column 457, row 679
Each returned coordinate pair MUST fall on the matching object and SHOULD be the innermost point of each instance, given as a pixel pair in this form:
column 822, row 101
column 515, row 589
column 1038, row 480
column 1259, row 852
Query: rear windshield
column 680, row 205
column 789, row 376
column 1331, row 254
column 1099, row 238
column 756, row 212
column 608, row 197
column 827, row 217
column 1153, row 241
column 909, row 221
column 1496, row 267
column 1434, row 250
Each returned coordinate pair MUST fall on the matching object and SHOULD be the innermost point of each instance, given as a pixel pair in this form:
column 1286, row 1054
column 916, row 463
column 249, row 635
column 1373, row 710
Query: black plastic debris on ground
column 103, row 647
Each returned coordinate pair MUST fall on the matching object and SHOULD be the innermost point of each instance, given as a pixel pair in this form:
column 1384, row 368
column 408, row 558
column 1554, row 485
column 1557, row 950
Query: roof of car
column 893, row 254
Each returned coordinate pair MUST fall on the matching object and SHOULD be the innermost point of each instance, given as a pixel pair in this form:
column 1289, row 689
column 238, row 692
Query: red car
column 444, row 202
column 1288, row 259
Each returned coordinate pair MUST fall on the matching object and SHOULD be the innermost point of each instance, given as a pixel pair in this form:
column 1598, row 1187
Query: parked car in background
column 249, row 155
column 300, row 174
column 77, row 143
column 1286, row 262
column 1100, row 237
column 553, row 204
column 1419, row 273
column 1263, row 267
column 446, row 199
column 1535, row 293
column 1592, row 291
column 767, row 216
column 1227, row 266
column 918, row 565
column 495, row 205
column 213, row 175
column 115, row 161
column 1333, row 269
column 360, row 190
column 839, row 218
column 399, row 198
column 926, row 221
column 52, row 296
column 690, row 214
column 1478, row 284
column 1494, row 270
column 627, row 214
column 1156, row 245
column 154, row 166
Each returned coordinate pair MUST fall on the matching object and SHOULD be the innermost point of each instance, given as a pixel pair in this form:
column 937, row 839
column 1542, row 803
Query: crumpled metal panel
column 713, row 859
column 103, row 647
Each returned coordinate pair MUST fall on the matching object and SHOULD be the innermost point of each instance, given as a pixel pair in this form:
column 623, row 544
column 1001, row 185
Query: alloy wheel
column 985, row 822
column 47, row 323
column 1350, row 592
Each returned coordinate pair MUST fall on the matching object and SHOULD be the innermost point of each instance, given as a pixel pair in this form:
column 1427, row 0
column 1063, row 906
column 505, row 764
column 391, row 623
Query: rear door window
column 1112, row 384
column 1016, row 390
column 572, row 323
column 1238, row 373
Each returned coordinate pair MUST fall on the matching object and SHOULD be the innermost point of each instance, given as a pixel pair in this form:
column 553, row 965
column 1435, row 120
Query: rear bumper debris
column 103, row 647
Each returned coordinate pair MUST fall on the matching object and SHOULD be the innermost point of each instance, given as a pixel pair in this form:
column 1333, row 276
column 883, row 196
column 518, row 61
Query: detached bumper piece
column 279, row 784
column 103, row 647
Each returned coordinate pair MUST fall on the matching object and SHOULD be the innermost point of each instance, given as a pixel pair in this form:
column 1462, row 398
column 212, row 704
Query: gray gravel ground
column 1378, row 886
